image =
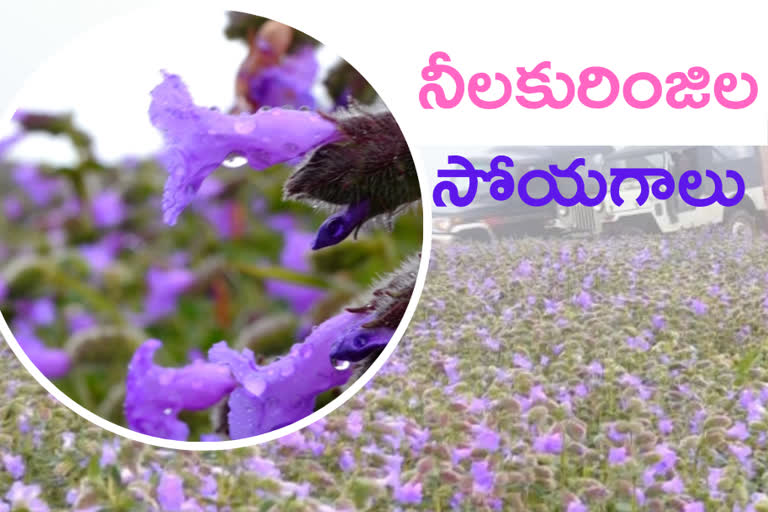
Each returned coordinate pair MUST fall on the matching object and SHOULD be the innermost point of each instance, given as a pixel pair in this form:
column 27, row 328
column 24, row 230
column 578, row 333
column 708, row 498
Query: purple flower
column 549, row 443
column 13, row 208
column 347, row 461
column 37, row 312
column 26, row 497
column 577, row 506
column 521, row 361
column 485, row 438
column 584, row 299
column 14, row 464
column 102, row 254
column 638, row 343
column 41, row 189
column 53, row 363
column 283, row 392
column 170, row 492
column 338, row 226
column 698, row 307
column 359, row 343
column 483, row 477
column 165, row 286
column 108, row 209
column 617, row 455
column 696, row 506
column 199, row 139
column 409, row 493
column 294, row 256
column 288, row 83
column 156, row 395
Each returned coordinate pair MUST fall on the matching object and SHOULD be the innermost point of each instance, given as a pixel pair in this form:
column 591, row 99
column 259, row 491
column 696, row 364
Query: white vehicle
column 673, row 214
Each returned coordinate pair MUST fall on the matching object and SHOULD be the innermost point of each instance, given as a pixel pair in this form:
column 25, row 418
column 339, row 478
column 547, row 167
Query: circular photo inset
column 209, row 230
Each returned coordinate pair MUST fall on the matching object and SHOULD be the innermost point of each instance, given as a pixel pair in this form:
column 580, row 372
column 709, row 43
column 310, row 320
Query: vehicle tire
column 741, row 223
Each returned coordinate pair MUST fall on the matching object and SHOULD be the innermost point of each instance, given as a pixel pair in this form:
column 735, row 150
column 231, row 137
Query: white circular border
column 317, row 415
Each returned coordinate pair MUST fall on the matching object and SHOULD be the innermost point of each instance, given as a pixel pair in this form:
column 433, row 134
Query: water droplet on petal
column 305, row 351
column 264, row 108
column 234, row 161
column 244, row 126
column 287, row 370
column 167, row 411
column 340, row 365
column 254, row 384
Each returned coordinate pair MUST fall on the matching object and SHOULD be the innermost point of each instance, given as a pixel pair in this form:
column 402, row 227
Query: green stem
column 281, row 274
column 64, row 282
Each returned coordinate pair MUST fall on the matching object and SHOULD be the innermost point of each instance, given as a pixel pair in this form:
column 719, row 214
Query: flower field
column 615, row 375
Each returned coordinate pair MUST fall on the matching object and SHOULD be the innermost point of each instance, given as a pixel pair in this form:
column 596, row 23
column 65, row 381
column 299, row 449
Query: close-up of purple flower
column 52, row 362
column 280, row 393
column 108, row 209
column 155, row 395
column 199, row 139
column 165, row 286
column 288, row 83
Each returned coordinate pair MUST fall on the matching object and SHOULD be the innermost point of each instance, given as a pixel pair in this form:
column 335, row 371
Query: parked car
column 674, row 214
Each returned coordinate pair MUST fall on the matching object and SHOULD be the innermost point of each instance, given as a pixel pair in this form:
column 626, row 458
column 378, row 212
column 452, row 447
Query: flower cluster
column 536, row 375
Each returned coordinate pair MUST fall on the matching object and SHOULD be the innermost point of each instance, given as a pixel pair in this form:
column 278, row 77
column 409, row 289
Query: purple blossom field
column 624, row 374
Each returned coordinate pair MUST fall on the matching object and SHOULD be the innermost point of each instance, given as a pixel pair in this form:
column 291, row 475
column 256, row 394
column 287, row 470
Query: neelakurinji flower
column 284, row 391
column 295, row 256
column 359, row 343
column 108, row 209
column 52, row 362
column 289, row 82
column 164, row 288
column 155, row 395
column 198, row 139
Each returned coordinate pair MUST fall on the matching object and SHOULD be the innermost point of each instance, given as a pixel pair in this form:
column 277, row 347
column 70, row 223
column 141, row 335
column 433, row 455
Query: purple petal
column 337, row 227
column 198, row 139
column 288, row 83
column 52, row 362
column 155, row 395
column 283, row 392
column 357, row 344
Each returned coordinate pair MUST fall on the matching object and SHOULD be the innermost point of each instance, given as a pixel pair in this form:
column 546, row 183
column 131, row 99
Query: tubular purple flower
column 108, row 209
column 338, row 226
column 284, row 391
column 198, row 139
column 288, row 83
column 294, row 256
column 155, row 395
column 357, row 344
column 170, row 492
column 52, row 362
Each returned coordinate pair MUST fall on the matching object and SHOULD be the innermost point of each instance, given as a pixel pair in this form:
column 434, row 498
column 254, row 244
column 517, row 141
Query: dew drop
column 305, row 351
column 234, row 161
column 244, row 126
column 340, row 365
column 287, row 370
column 264, row 108
column 254, row 384
column 167, row 411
